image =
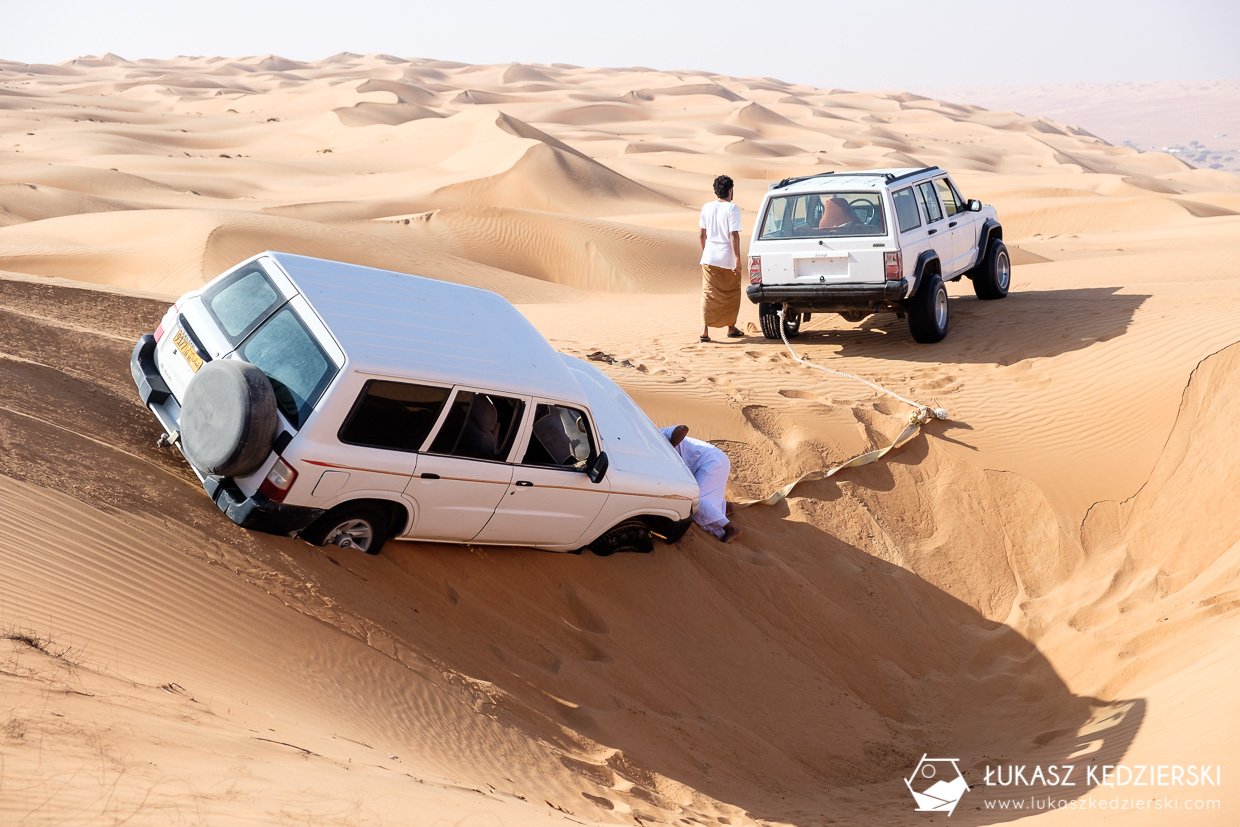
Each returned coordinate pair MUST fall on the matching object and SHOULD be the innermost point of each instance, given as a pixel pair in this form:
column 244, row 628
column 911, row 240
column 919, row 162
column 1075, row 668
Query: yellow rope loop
column 920, row 415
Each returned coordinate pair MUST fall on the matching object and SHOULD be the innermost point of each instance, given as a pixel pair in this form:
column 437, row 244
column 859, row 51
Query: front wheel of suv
column 768, row 317
column 927, row 311
column 992, row 279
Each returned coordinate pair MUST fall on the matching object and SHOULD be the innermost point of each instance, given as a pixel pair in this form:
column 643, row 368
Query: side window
column 395, row 415
column 560, row 437
column 951, row 199
column 776, row 224
column 906, row 209
column 241, row 302
column 297, row 366
column 929, row 202
column 479, row 426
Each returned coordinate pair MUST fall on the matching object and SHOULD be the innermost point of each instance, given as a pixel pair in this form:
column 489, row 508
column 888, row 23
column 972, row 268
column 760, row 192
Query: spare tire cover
column 228, row 418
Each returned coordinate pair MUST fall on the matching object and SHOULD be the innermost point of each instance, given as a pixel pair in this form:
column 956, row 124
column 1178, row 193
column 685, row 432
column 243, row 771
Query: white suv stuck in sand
column 347, row 405
column 864, row 242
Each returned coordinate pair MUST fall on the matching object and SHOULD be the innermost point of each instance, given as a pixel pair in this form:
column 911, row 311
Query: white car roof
column 399, row 325
column 861, row 179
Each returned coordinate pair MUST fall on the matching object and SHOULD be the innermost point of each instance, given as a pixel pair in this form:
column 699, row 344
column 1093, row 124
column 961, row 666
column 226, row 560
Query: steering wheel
column 865, row 211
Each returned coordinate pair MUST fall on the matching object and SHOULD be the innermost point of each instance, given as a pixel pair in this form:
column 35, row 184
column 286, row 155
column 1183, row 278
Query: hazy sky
column 855, row 45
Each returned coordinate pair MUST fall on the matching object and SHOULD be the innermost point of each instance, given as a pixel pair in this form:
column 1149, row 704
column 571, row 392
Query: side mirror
column 975, row 205
column 598, row 468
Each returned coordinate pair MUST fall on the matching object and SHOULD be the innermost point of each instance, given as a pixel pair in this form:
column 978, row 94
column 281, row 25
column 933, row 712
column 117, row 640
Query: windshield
column 824, row 215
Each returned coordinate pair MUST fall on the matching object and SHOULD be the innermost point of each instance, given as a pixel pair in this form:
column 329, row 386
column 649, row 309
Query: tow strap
column 920, row 416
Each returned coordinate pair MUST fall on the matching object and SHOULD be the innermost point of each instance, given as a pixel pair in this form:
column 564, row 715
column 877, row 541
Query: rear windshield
column 299, row 369
column 824, row 215
column 240, row 302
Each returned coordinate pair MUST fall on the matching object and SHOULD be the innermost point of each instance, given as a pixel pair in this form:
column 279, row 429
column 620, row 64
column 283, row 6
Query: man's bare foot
column 728, row 508
column 730, row 532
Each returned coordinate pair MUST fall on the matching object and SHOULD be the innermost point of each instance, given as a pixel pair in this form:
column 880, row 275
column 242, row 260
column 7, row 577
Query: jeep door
column 938, row 228
column 464, row 471
column 964, row 226
column 551, row 500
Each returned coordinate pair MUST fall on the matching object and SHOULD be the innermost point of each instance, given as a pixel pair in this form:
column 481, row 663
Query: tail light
column 893, row 265
column 168, row 317
column 278, row 481
column 755, row 269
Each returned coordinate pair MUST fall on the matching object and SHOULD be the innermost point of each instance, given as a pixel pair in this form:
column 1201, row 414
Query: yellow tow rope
column 919, row 417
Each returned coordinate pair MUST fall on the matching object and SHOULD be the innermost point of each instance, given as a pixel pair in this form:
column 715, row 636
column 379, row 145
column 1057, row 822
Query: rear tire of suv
column 768, row 317
column 631, row 535
column 927, row 311
column 228, row 418
column 363, row 526
column 992, row 279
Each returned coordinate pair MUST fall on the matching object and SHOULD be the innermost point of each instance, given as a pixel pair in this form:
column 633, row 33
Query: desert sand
column 1052, row 576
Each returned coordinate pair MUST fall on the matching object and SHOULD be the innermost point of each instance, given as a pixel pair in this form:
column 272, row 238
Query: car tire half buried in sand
column 228, row 418
column 631, row 536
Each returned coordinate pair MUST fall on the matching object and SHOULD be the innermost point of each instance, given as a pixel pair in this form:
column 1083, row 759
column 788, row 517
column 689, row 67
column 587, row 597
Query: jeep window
column 560, row 438
column 929, row 202
column 952, row 202
column 298, row 367
column 823, row 215
column 479, row 426
column 240, row 302
column 398, row 416
column 906, row 209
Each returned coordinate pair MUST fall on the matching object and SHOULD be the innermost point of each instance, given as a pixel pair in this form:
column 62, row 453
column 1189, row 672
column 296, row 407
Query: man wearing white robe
column 710, row 467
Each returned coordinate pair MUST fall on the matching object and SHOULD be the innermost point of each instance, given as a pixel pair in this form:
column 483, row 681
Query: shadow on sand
column 1025, row 325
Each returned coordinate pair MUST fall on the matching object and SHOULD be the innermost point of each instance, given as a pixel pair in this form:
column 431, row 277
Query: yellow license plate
column 187, row 349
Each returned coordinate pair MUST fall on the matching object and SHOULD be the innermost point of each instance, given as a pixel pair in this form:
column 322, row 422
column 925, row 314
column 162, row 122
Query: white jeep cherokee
column 864, row 242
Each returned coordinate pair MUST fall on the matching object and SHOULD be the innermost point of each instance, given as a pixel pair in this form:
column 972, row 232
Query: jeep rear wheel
column 768, row 317
column 927, row 311
column 992, row 279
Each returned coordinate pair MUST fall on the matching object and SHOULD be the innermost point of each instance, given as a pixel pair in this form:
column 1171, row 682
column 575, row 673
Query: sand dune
column 1048, row 577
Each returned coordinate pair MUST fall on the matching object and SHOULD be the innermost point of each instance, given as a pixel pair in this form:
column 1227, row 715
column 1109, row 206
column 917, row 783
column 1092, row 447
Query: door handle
column 430, row 476
column 525, row 483
column 953, row 224
column 932, row 232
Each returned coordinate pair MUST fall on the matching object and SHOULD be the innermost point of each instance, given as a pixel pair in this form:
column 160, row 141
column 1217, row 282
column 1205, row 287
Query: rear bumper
column 257, row 512
column 151, row 386
column 254, row 512
column 830, row 297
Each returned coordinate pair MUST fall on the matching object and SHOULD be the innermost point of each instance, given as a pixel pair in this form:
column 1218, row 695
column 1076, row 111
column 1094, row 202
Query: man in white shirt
column 721, row 261
column 710, row 467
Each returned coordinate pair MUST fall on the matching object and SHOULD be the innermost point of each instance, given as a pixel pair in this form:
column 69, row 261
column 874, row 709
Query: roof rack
column 887, row 176
column 891, row 177
column 789, row 181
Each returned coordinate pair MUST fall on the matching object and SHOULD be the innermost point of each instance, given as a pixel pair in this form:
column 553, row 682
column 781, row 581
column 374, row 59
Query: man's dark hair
column 723, row 185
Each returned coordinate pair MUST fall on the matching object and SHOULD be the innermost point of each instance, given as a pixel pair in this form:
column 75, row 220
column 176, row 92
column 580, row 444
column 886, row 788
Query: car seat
column 837, row 214
column 481, row 435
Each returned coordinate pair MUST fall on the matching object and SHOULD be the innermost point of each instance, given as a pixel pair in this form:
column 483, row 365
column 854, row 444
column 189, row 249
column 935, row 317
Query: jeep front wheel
column 927, row 311
column 768, row 317
column 992, row 279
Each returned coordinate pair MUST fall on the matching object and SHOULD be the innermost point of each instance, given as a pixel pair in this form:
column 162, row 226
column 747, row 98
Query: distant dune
column 1199, row 120
column 1050, row 577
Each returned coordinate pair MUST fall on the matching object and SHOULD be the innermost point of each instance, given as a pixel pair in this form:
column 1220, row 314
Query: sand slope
column 1048, row 577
